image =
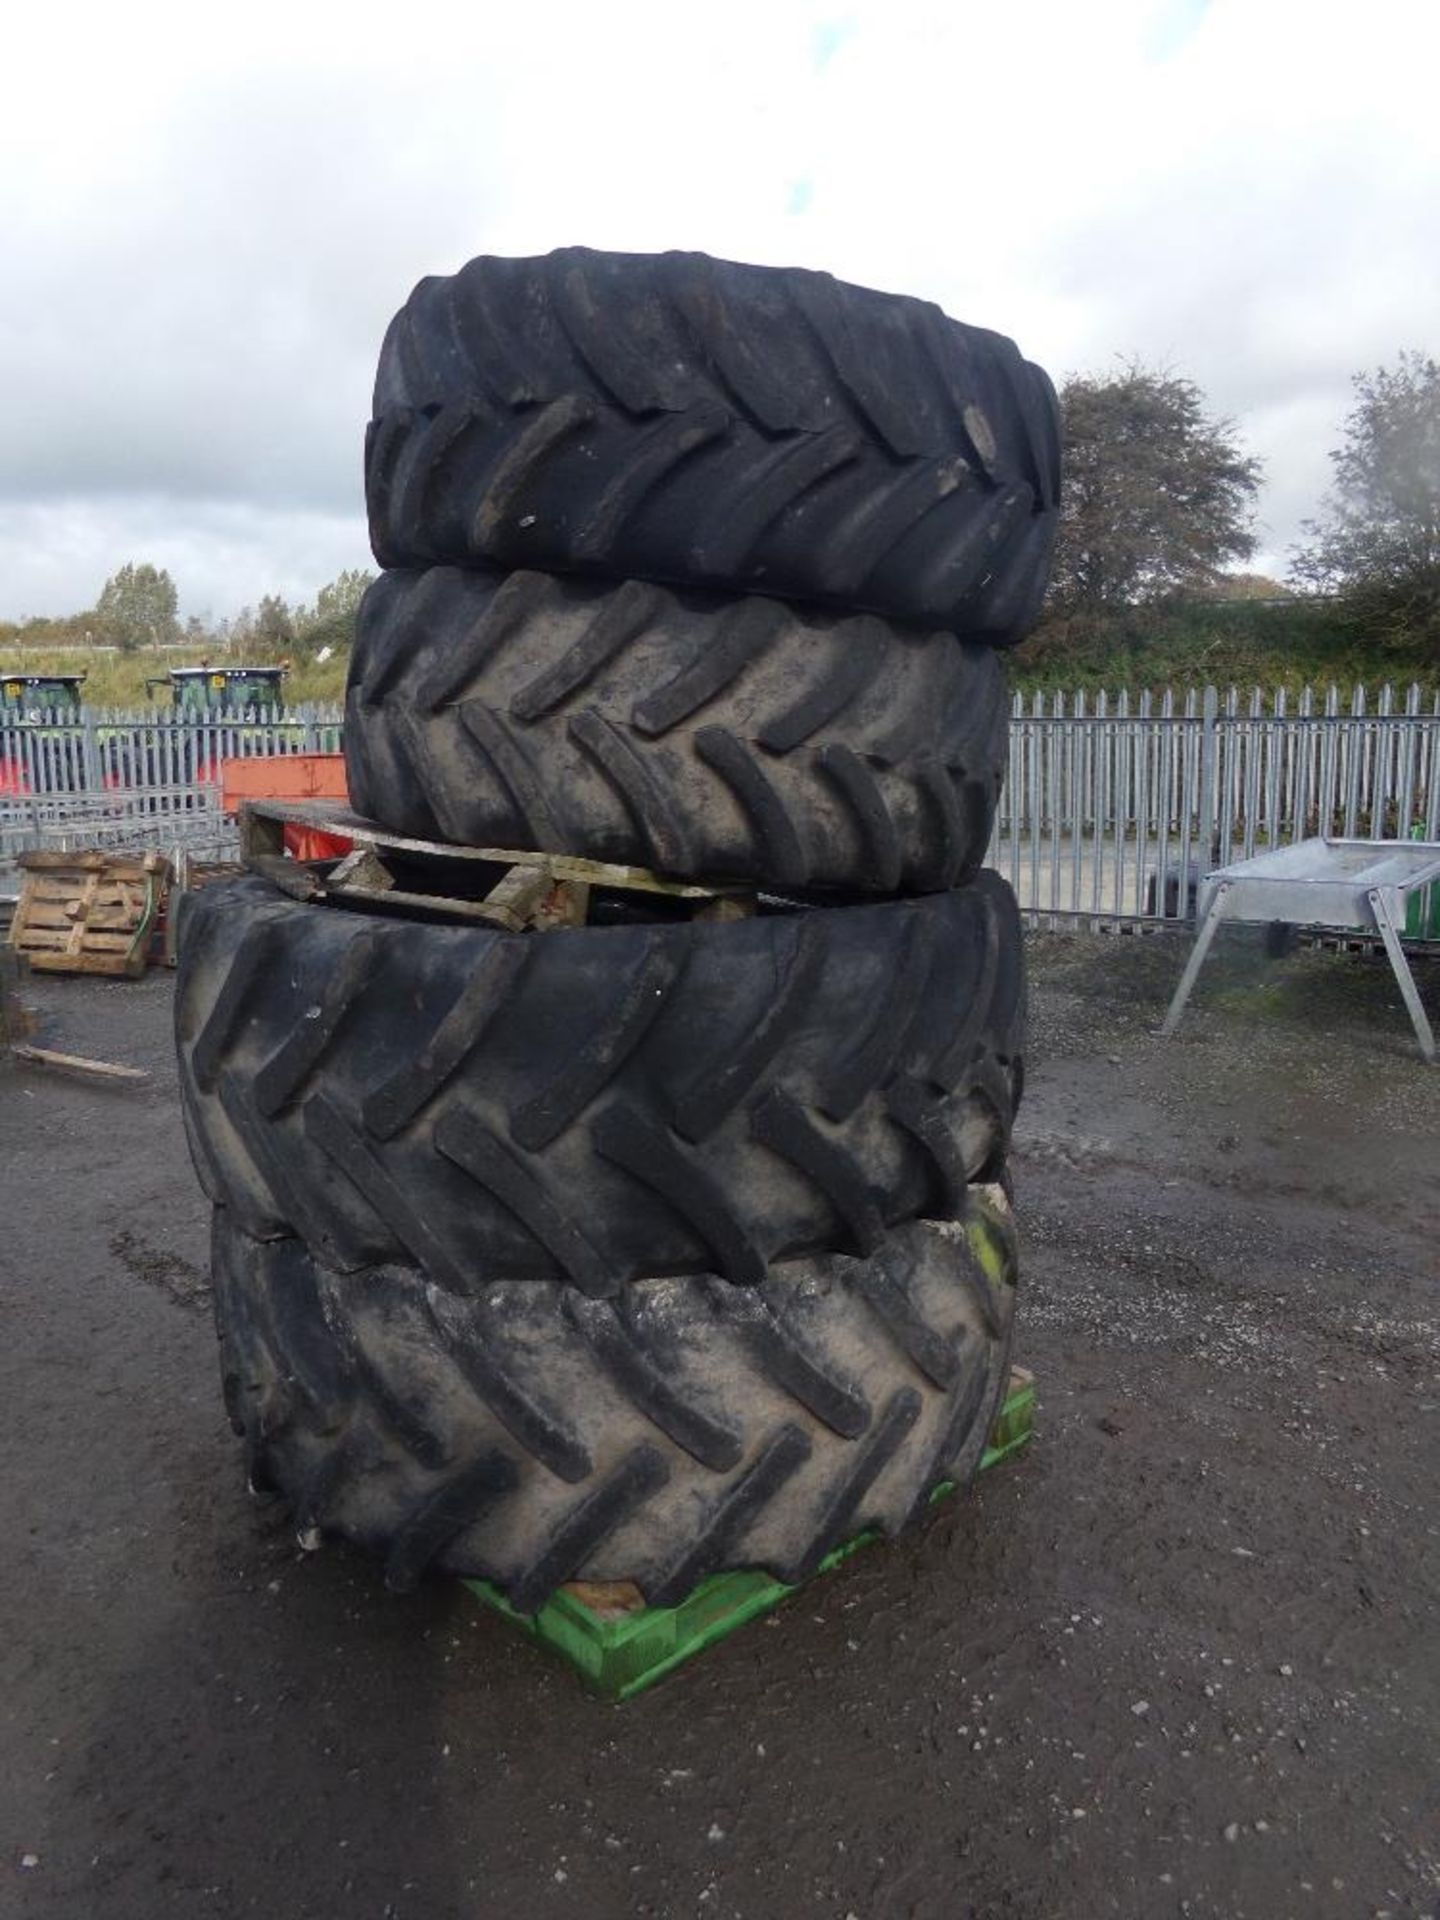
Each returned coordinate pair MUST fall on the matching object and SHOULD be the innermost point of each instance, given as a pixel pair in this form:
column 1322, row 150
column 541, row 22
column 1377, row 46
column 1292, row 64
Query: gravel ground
column 1182, row 1658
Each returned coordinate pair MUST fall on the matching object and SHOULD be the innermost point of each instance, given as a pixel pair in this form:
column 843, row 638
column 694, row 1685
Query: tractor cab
column 207, row 689
column 39, row 696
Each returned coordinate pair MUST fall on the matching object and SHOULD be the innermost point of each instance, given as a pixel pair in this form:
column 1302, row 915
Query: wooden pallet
column 88, row 912
column 507, row 887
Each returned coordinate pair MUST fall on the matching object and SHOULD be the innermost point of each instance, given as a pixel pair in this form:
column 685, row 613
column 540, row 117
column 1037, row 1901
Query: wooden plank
column 47, row 939
column 107, row 939
column 36, row 861
column 430, row 902
column 77, row 939
column 42, row 936
column 77, row 930
column 73, row 905
column 61, row 886
column 512, row 901
column 78, row 1063
column 57, row 881
column 27, row 937
column 124, row 866
column 271, row 816
column 361, row 871
column 52, row 913
column 118, row 964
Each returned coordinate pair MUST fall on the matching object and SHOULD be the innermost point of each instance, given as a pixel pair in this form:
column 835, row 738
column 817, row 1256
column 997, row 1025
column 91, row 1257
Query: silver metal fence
column 66, row 753
column 115, row 818
column 1114, row 806
column 168, row 820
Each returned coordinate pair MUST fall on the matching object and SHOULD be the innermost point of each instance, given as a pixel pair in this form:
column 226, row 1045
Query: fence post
column 90, row 752
column 1209, row 723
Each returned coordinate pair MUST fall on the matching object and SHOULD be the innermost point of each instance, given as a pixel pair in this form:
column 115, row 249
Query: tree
column 331, row 623
column 1377, row 541
column 274, row 627
column 1157, row 495
column 137, row 607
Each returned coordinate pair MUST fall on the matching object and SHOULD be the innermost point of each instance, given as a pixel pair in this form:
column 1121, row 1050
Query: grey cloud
column 201, row 263
column 55, row 554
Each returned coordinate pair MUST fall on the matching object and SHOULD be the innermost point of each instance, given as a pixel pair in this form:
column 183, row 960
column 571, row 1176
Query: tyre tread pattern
column 323, row 1371
column 689, row 734
column 598, row 1105
column 677, row 417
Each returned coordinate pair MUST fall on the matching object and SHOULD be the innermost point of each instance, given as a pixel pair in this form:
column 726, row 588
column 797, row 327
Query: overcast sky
column 207, row 217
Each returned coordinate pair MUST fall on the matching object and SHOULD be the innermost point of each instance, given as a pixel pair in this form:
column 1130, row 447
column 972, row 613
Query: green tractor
column 36, row 702
column 205, row 698
column 196, row 691
column 40, row 696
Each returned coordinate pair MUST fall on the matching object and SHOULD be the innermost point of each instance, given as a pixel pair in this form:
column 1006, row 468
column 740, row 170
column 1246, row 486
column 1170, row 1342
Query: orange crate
column 290, row 776
column 283, row 776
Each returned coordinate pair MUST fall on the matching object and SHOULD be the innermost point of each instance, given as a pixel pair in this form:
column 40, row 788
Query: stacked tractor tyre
column 646, row 1248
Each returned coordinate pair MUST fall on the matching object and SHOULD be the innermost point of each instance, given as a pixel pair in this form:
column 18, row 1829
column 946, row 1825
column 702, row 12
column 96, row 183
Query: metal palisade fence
column 1113, row 805
column 112, row 779
column 98, row 748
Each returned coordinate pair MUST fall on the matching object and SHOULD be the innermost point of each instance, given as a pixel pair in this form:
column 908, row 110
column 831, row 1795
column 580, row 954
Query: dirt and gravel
column 1182, row 1658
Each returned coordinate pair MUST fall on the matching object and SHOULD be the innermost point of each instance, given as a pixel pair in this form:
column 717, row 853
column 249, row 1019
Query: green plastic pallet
column 621, row 1654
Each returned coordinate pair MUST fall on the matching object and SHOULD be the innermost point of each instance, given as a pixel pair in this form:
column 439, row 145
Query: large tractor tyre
column 527, row 1435
column 600, row 1103
column 787, row 349
column 698, row 735
column 754, row 429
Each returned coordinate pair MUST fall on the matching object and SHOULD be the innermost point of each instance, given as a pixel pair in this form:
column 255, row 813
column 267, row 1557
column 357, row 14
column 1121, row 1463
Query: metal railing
column 69, row 753
column 147, row 819
column 1113, row 807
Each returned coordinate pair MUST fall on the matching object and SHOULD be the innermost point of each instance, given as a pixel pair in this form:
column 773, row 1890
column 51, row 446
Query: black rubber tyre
column 698, row 735
column 672, row 417
column 599, row 1103
column 530, row 1436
